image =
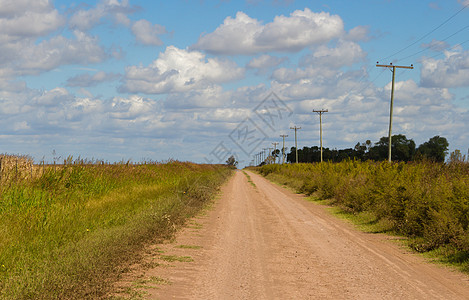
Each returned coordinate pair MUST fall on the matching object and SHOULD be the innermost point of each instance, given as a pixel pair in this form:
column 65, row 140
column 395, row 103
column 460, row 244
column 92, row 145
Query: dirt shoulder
column 265, row 242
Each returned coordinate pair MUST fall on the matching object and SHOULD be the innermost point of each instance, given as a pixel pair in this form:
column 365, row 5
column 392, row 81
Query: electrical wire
column 427, row 34
column 368, row 84
column 455, row 46
column 430, row 47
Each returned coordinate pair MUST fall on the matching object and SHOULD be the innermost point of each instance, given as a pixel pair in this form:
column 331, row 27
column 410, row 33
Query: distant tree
column 309, row 154
column 402, row 149
column 379, row 151
column 313, row 154
column 457, row 157
column 291, row 156
column 435, row 149
column 275, row 154
column 362, row 151
column 231, row 161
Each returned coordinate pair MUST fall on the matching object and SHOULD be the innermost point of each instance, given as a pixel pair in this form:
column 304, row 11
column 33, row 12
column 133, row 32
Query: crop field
column 426, row 202
column 66, row 231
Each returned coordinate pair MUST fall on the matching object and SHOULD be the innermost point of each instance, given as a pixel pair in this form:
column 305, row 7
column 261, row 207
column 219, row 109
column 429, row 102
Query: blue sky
column 201, row 80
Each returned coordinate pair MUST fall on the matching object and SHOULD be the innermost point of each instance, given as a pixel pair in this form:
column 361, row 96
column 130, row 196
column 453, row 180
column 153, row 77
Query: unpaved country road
column 265, row 242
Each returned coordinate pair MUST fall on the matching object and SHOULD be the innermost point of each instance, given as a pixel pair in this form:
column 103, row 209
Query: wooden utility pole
column 393, row 70
column 275, row 151
column 283, row 147
column 320, row 112
column 296, row 144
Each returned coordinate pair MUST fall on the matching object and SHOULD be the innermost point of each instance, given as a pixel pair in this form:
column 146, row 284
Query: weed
column 173, row 258
column 188, row 247
column 249, row 179
column 195, row 225
column 158, row 280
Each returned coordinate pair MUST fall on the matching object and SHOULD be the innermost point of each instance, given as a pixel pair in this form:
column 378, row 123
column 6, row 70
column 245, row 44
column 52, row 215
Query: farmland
column 426, row 202
column 67, row 230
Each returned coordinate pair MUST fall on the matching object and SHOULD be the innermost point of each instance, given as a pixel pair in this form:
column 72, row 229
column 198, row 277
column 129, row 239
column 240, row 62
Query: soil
column 265, row 242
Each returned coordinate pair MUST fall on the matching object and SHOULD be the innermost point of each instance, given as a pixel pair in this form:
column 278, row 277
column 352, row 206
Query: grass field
column 67, row 231
column 426, row 202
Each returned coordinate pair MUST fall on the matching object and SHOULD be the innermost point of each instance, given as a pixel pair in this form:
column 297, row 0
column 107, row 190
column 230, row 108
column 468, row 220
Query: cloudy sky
column 199, row 80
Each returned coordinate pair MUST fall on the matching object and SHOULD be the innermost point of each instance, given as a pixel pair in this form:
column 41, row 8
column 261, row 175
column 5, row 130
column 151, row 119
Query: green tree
column 275, row 154
column 402, row 149
column 231, row 161
column 435, row 149
column 361, row 151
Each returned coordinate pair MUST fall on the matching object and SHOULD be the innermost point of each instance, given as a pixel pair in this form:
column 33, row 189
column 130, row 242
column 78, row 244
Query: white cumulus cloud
column 245, row 35
column 179, row 70
column 451, row 71
column 345, row 53
column 147, row 33
column 87, row 19
column 265, row 61
column 23, row 18
column 57, row 51
column 87, row 80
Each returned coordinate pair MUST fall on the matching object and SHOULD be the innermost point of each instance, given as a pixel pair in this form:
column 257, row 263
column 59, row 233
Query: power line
column 455, row 46
column 371, row 82
column 430, row 47
column 424, row 36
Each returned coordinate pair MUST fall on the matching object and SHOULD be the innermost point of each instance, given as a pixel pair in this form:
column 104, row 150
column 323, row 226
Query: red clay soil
column 266, row 242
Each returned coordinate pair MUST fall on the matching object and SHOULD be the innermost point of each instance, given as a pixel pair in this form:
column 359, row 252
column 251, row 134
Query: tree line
column 402, row 149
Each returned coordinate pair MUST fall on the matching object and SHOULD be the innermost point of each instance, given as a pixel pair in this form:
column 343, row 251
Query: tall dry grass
column 67, row 232
column 13, row 167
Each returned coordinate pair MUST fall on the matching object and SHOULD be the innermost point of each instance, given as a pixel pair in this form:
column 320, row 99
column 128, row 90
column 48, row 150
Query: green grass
column 195, row 225
column 173, row 258
column 137, row 290
column 249, row 179
column 67, row 233
column 425, row 202
column 188, row 247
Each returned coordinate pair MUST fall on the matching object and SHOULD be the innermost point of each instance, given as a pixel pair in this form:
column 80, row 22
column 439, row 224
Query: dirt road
column 265, row 242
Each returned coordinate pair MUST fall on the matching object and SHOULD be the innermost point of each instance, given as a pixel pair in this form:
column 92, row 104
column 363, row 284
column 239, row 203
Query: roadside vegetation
column 67, row 231
column 427, row 202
